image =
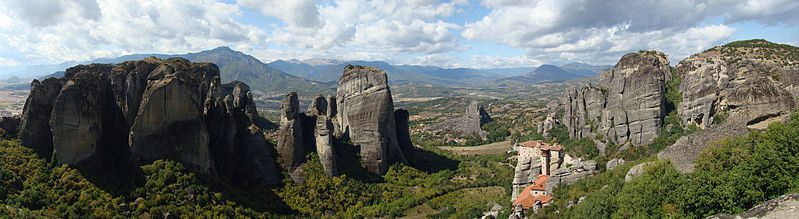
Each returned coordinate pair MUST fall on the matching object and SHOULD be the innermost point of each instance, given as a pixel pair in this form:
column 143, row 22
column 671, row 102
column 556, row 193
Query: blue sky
column 460, row 33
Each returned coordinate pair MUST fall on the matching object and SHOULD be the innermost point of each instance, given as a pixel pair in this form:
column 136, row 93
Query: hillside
column 756, row 49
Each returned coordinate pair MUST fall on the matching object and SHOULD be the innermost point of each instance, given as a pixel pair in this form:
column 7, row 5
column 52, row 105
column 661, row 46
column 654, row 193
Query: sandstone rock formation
column 147, row 110
column 365, row 113
column 468, row 124
column 324, row 145
column 290, row 135
column 403, row 132
column 318, row 106
column 35, row 130
column 10, row 125
column 785, row 206
column 627, row 107
column 749, row 92
column 78, row 111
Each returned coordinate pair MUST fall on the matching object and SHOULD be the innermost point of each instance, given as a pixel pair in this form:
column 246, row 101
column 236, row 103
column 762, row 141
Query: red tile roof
column 526, row 199
column 541, row 145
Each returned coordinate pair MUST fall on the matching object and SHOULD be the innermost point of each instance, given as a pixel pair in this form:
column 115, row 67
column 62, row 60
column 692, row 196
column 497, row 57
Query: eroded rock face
column 324, row 145
column 583, row 110
column 290, row 141
column 318, row 106
column 635, row 103
column 366, row 114
column 77, row 118
column 470, row 123
column 750, row 92
column 755, row 102
column 148, row 110
column 627, row 107
column 35, row 130
column 169, row 123
column 403, row 132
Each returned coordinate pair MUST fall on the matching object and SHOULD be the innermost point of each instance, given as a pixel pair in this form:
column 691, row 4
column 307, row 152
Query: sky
column 459, row 33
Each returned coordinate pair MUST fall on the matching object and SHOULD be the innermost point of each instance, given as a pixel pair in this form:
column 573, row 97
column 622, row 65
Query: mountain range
column 320, row 75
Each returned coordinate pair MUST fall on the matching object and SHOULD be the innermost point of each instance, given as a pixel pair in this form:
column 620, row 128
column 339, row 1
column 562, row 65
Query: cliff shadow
column 115, row 178
column 260, row 198
column 348, row 161
column 431, row 162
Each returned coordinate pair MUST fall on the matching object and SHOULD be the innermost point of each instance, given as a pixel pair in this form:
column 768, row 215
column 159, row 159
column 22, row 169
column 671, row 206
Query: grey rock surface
column 365, row 113
column 35, row 130
column 468, row 124
column 324, row 145
column 636, row 171
column 290, row 139
column 10, row 125
column 785, row 206
column 77, row 118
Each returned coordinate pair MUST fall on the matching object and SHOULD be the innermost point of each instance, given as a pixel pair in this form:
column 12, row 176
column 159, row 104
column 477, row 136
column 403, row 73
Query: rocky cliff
column 141, row 111
column 628, row 106
column 365, row 113
column 729, row 90
column 361, row 114
column 468, row 124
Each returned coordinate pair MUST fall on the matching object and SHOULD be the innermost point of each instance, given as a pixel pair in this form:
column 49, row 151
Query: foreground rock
column 365, row 114
column 35, row 126
column 786, row 206
column 290, row 135
column 627, row 107
column 146, row 110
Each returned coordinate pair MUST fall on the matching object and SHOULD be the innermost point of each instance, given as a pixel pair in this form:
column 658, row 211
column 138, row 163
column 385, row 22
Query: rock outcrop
column 78, row 111
column 785, row 206
column 754, row 103
column 365, row 114
column 10, row 125
column 627, row 107
column 403, row 132
column 291, row 142
column 35, row 130
column 324, row 145
column 141, row 111
column 637, row 170
column 468, row 124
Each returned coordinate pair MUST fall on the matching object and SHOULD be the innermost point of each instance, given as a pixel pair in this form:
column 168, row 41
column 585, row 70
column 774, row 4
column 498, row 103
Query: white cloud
column 87, row 29
column 297, row 13
column 601, row 31
column 386, row 26
column 8, row 62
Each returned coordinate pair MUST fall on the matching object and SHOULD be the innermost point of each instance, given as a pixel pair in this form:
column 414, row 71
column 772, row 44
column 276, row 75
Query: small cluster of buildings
column 540, row 168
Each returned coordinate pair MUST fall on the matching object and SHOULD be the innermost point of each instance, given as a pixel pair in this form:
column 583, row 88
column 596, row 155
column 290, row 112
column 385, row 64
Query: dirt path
column 493, row 148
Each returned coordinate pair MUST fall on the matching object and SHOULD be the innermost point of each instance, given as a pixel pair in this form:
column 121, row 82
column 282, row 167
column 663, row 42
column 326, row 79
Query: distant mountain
column 551, row 73
column 585, row 69
column 331, row 70
column 235, row 65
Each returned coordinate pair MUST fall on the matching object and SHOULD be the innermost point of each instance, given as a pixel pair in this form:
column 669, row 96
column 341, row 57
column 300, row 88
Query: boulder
column 637, row 170
column 78, row 111
column 35, row 130
column 366, row 115
column 290, row 140
column 613, row 163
